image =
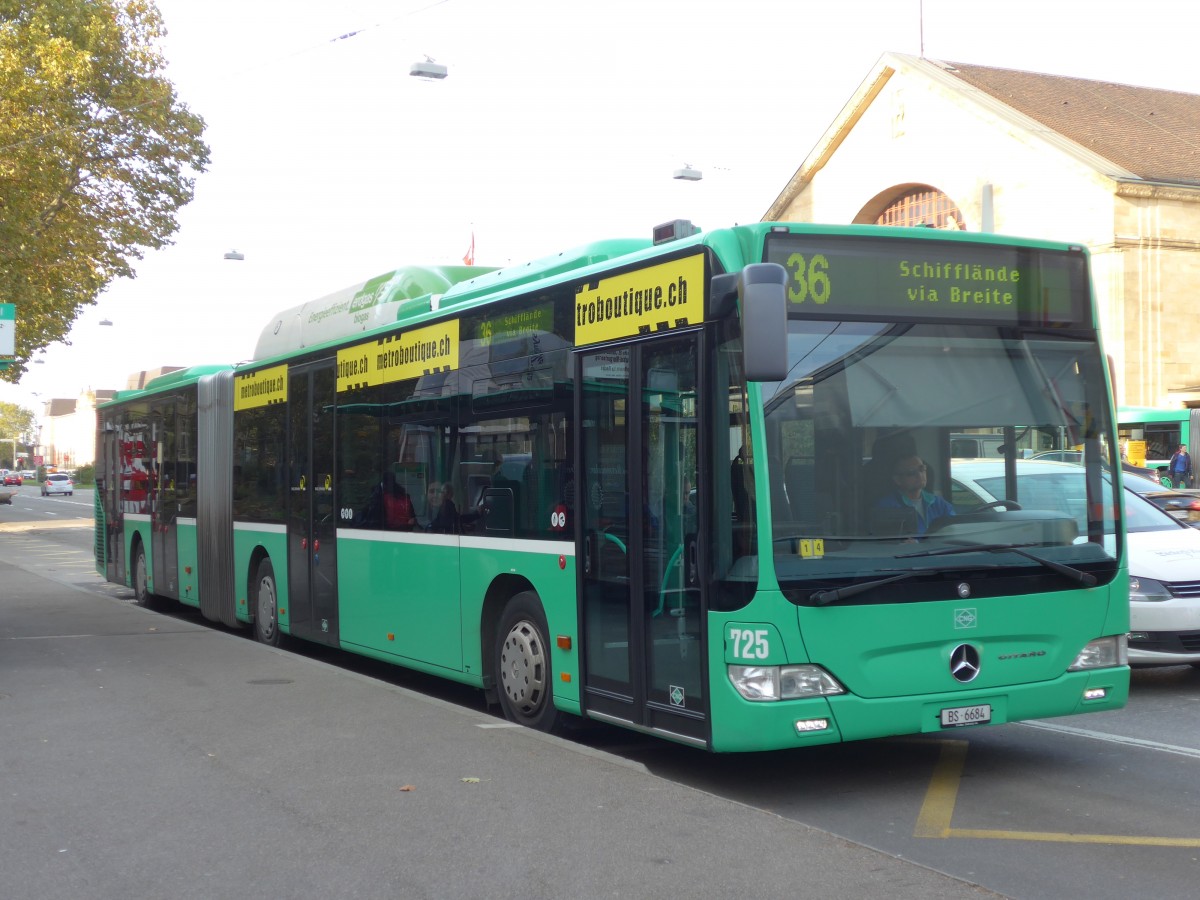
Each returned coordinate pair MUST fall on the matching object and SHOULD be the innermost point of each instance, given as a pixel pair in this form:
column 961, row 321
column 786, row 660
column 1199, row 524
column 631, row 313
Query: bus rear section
column 889, row 585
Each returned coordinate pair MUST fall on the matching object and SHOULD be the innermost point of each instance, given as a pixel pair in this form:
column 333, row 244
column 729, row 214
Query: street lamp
column 235, row 254
column 428, row 69
column 687, row 173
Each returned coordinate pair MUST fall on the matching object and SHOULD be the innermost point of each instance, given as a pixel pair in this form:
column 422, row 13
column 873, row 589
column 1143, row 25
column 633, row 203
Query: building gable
column 1122, row 133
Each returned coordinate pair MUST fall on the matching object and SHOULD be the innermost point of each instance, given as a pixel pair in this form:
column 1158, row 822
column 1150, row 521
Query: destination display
column 916, row 279
column 520, row 323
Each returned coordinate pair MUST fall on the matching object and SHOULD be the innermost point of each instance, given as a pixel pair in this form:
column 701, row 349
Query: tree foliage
column 15, row 422
column 97, row 155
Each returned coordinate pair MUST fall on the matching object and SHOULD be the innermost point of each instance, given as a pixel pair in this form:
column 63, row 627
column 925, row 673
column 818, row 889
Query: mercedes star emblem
column 964, row 663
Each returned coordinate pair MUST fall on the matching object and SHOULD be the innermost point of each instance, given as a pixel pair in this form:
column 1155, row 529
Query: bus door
column 640, row 544
column 164, row 538
column 311, row 514
column 108, row 493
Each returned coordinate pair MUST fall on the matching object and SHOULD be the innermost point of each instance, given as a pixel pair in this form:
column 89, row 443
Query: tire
column 266, row 605
column 522, row 665
column 141, row 579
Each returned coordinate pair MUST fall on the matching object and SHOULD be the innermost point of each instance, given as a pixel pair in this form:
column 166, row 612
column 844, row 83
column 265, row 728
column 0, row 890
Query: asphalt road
column 150, row 755
column 1092, row 806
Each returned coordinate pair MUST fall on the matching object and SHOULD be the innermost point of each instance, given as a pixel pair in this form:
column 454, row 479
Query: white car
column 58, row 483
column 1164, row 555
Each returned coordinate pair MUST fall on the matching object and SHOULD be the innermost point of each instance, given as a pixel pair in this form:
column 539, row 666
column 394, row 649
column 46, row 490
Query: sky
column 559, row 123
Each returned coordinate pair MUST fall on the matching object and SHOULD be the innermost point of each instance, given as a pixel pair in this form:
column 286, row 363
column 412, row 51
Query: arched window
column 923, row 206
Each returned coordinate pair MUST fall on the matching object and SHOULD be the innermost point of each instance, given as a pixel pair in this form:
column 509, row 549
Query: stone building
column 1113, row 167
column 67, row 437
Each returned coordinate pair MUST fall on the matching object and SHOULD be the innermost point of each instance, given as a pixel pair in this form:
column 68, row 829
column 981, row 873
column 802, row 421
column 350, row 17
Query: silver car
column 58, row 483
column 1164, row 554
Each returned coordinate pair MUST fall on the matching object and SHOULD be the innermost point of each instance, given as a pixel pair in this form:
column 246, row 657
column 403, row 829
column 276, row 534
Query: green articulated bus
column 1157, row 434
column 693, row 485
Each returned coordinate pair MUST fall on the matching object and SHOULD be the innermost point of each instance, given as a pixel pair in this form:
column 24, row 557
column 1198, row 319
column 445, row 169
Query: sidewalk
column 146, row 757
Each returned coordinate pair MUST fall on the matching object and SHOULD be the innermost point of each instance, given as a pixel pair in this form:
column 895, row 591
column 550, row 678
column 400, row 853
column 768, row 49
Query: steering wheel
column 995, row 504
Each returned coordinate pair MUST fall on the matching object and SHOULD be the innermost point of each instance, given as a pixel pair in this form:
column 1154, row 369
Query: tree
column 16, row 423
column 97, row 155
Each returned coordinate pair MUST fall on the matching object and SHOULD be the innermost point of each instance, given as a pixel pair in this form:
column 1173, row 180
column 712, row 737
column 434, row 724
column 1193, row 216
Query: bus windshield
column 887, row 441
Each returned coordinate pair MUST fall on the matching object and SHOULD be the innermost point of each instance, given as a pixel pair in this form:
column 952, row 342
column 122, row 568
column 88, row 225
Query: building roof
column 1126, row 133
column 1153, row 133
column 60, row 406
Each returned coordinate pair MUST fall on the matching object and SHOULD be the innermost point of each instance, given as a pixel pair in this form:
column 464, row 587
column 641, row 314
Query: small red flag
column 469, row 256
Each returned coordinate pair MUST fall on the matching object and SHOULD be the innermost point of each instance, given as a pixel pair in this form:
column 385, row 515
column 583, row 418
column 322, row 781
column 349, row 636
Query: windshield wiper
column 1087, row 579
column 832, row 595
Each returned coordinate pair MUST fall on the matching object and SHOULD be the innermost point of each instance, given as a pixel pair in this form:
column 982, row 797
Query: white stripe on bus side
column 264, row 527
column 513, row 545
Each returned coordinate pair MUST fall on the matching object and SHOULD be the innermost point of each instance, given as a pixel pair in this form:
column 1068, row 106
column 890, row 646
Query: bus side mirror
column 762, row 290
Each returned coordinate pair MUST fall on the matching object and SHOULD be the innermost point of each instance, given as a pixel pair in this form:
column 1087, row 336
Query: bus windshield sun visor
column 969, row 378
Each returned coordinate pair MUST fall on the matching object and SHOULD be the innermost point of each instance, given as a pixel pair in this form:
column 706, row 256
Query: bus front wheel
column 266, row 605
column 522, row 665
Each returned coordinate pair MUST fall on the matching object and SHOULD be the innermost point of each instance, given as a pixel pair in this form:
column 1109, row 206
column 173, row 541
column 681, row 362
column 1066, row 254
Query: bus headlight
column 1103, row 653
column 761, row 683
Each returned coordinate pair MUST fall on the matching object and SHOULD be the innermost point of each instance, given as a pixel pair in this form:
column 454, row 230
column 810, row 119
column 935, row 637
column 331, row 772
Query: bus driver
column 910, row 476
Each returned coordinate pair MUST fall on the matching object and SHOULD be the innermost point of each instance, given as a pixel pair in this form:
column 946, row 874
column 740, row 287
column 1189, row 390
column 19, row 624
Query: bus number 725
column 749, row 643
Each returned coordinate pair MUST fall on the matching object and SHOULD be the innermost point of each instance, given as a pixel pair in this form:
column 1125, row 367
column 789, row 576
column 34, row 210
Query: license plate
column 957, row 716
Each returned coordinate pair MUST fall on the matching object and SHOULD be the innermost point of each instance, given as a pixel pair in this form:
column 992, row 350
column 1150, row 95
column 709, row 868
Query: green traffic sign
column 8, row 333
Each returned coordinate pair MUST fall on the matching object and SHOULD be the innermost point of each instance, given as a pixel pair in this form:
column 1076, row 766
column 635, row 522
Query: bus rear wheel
column 522, row 665
column 266, row 605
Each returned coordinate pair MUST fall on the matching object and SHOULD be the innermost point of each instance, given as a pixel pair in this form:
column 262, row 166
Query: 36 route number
column 750, row 643
column 808, row 279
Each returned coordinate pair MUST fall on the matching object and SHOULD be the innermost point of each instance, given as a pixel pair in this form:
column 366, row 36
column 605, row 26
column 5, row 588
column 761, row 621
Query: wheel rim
column 523, row 668
column 265, row 615
column 139, row 577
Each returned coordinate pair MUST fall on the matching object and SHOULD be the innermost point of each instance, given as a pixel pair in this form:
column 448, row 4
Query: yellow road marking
column 8, row 527
column 938, row 809
column 934, row 820
column 1068, row 838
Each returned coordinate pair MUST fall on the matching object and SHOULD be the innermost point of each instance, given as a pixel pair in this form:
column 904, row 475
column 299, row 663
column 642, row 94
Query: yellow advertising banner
column 396, row 357
column 647, row 301
column 261, row 388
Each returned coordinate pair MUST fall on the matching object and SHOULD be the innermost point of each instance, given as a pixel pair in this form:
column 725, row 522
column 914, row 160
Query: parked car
column 1076, row 456
column 12, row 478
column 1071, row 456
column 58, row 483
column 29, row 476
column 1182, row 504
column 1164, row 553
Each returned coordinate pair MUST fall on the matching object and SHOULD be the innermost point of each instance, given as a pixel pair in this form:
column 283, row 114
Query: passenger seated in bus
column 433, row 499
column 445, row 518
column 910, row 476
column 398, row 508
